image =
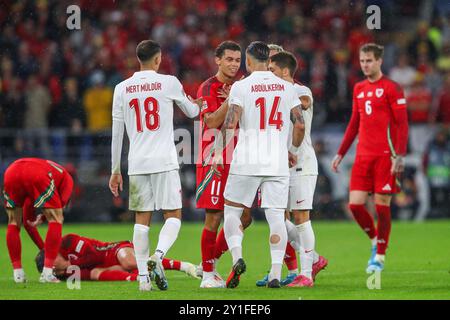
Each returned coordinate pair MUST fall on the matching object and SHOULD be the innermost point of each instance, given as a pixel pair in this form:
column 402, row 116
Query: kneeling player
column 103, row 261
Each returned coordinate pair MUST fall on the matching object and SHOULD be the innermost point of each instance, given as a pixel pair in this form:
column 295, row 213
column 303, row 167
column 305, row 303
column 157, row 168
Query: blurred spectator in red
column 443, row 112
column 419, row 101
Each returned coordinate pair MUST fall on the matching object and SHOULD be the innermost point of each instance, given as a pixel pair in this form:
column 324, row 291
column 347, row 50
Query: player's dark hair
column 259, row 50
column 40, row 260
column 147, row 49
column 285, row 59
column 226, row 45
column 377, row 49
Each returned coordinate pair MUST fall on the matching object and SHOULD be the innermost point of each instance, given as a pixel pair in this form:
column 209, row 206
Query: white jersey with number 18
column 266, row 102
column 143, row 104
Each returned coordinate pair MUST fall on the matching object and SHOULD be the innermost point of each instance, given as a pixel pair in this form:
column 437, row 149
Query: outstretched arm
column 226, row 134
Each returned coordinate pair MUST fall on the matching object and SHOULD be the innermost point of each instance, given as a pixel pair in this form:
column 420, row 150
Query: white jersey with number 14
column 266, row 102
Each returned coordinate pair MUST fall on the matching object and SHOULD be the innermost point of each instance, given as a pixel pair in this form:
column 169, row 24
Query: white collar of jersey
column 262, row 72
column 144, row 72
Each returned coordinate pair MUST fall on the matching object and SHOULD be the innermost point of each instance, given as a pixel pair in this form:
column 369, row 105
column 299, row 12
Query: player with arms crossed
column 210, row 186
column 143, row 104
column 303, row 179
column 45, row 185
column 380, row 120
column 261, row 104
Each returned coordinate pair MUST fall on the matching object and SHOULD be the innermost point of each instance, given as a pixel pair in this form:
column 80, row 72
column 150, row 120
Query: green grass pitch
column 417, row 265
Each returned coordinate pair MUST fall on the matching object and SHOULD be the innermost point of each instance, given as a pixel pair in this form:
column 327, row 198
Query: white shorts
column 301, row 192
column 242, row 189
column 149, row 192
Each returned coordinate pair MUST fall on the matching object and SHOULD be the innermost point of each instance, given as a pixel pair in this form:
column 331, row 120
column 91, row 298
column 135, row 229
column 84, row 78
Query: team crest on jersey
column 379, row 92
column 215, row 200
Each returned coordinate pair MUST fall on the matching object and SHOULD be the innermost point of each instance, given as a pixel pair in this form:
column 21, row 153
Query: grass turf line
column 417, row 265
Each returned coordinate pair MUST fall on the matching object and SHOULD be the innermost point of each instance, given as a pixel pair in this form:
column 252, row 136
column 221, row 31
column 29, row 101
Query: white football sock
column 47, row 271
column 275, row 219
column 307, row 239
column 379, row 258
column 315, row 256
column 292, row 233
column 374, row 241
column 232, row 228
column 167, row 236
column 141, row 249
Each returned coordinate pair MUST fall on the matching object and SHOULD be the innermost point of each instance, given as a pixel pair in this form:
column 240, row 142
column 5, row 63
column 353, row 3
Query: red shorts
column 36, row 183
column 210, row 187
column 111, row 254
column 373, row 174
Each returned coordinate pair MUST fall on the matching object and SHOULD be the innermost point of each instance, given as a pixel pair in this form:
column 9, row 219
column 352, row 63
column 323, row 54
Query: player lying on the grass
column 47, row 186
column 302, row 184
column 103, row 261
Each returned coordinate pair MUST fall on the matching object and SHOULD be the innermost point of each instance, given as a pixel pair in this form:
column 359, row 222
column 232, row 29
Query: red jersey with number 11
column 378, row 118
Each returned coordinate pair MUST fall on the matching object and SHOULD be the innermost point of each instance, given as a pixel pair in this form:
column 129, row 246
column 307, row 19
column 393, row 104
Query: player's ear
column 157, row 59
column 217, row 60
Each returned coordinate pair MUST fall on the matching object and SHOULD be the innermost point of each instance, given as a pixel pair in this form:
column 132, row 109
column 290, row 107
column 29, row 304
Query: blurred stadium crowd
column 56, row 84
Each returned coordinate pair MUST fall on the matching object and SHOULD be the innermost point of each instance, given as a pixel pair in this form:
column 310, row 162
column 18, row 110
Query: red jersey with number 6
column 379, row 118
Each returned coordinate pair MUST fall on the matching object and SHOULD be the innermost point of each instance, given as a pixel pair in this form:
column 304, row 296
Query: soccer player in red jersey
column 103, row 261
column 48, row 186
column 379, row 118
column 210, row 186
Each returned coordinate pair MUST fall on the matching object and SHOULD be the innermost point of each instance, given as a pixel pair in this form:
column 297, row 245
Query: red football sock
column 34, row 235
column 384, row 227
column 290, row 257
column 116, row 275
column 52, row 243
column 170, row 264
column 14, row 245
column 208, row 245
column 364, row 219
column 221, row 245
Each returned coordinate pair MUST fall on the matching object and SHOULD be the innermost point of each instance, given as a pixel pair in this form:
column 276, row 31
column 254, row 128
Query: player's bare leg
column 141, row 248
column 14, row 243
column 52, row 243
column 383, row 209
column 234, row 235
column 167, row 237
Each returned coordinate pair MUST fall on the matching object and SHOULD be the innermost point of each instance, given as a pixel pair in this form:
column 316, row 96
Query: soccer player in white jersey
column 303, row 179
column 262, row 104
column 143, row 104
